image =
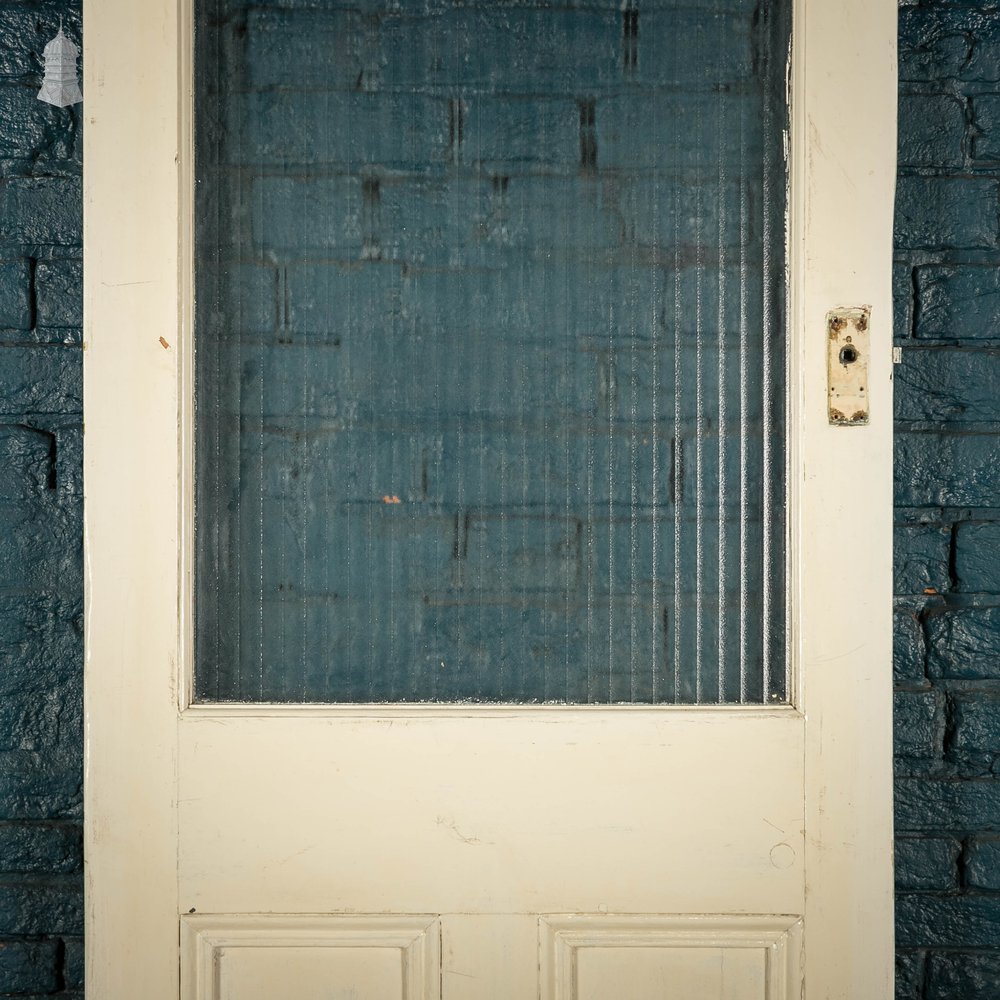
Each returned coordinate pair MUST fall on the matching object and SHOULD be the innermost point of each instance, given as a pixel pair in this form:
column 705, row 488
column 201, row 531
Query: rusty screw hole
column 848, row 355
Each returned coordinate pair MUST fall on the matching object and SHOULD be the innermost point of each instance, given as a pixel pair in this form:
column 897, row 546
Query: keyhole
column 848, row 355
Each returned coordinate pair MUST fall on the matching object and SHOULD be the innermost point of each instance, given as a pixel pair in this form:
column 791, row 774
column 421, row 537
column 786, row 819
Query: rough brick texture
column 41, row 904
column 947, row 635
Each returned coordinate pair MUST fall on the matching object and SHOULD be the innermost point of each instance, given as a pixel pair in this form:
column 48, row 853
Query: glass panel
column 490, row 351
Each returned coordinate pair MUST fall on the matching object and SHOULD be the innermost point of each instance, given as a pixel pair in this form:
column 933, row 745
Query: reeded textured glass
column 490, row 351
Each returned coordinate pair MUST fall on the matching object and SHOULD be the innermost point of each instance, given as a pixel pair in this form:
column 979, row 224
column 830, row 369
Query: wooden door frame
column 137, row 338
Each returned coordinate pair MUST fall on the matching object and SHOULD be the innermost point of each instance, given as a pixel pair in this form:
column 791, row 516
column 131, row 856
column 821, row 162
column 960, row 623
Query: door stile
column 843, row 158
column 131, row 292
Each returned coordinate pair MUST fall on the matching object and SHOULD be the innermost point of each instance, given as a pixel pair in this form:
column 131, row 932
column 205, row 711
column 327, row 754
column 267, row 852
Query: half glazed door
column 488, row 462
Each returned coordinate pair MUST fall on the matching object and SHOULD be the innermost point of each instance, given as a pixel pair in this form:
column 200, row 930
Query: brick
column 636, row 554
column 715, row 467
column 39, row 641
column 73, row 963
column 647, row 383
column 523, row 554
column 918, row 725
column 523, row 302
column 964, row 644
column 43, row 905
column 38, row 722
column 958, row 302
column 490, row 49
column 301, row 48
column 28, row 966
column 43, row 545
column 948, row 470
column 942, row 42
column 504, row 132
column 27, row 462
column 41, row 210
column 40, row 462
column 532, row 468
column 909, row 652
column 27, row 125
column 455, row 223
column 470, row 469
column 921, row 558
column 975, row 741
column 957, row 212
column 54, row 848
column 927, row 863
column 632, row 130
column 524, row 653
column 968, row 975
column 24, row 32
column 977, row 557
column 358, row 551
column 392, row 131
column 502, row 50
column 381, row 374
column 41, row 379
column 946, row 804
column 59, row 293
column 238, row 300
column 719, row 48
column 924, row 921
column 982, row 865
column 909, row 974
column 948, row 386
column 40, row 787
column 69, row 460
column 15, row 293
column 985, row 142
column 325, row 464
column 651, row 214
column 932, row 130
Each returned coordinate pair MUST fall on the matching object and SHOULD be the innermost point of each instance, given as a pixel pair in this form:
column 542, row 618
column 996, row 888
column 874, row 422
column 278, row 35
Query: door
column 518, row 782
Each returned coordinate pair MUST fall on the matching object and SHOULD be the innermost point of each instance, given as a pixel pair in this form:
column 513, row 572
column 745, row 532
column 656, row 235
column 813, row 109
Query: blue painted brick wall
column 41, row 911
column 947, row 542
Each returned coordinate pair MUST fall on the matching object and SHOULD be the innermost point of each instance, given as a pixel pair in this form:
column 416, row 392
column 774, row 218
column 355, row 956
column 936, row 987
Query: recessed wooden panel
column 311, row 973
column 310, row 958
column 592, row 957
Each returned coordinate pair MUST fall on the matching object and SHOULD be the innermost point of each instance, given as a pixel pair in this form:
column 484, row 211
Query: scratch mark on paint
column 449, row 824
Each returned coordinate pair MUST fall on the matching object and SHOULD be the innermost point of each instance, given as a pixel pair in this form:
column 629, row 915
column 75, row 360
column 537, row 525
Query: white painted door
column 468, row 853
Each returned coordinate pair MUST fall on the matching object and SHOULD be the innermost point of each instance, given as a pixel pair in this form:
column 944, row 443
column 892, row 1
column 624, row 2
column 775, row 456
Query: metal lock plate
column 847, row 365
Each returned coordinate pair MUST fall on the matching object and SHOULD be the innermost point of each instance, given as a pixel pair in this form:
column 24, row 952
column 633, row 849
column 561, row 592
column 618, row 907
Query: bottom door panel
column 514, row 957
column 262, row 957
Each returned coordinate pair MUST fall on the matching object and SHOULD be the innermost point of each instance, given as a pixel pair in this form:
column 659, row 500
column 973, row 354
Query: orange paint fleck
column 929, row 590
column 164, row 344
column 391, row 499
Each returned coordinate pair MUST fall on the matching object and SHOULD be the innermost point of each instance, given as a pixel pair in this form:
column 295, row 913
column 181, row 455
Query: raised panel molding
column 370, row 946
column 764, row 954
